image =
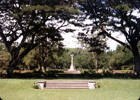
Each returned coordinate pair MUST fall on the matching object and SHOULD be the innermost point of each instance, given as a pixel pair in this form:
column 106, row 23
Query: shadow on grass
column 139, row 98
column 61, row 75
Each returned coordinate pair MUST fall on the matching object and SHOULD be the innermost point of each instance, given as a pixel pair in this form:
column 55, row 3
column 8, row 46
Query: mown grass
column 111, row 89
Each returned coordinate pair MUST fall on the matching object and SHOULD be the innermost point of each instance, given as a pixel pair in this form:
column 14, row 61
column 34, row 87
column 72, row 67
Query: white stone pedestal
column 91, row 85
column 41, row 85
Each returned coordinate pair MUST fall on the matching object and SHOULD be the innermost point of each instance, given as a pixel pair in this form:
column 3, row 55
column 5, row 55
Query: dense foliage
column 109, row 16
column 59, row 59
column 120, row 59
column 26, row 24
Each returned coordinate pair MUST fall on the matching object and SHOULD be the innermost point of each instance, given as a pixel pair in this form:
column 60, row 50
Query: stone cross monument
column 72, row 68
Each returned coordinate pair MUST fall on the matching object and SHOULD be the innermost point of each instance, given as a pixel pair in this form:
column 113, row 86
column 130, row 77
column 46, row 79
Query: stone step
column 81, row 87
column 61, row 82
column 65, row 84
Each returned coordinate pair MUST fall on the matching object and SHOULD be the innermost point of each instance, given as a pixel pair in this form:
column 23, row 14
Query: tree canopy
column 109, row 16
column 25, row 24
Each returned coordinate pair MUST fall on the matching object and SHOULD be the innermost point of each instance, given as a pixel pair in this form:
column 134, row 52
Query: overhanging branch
column 108, row 35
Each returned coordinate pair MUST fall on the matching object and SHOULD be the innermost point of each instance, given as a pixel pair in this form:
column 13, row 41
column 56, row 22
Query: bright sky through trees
column 70, row 40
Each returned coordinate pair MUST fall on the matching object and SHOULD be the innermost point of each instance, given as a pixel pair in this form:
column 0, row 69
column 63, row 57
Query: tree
column 63, row 61
column 4, row 57
column 43, row 56
column 121, row 57
column 95, row 44
column 83, row 59
column 25, row 24
column 116, row 15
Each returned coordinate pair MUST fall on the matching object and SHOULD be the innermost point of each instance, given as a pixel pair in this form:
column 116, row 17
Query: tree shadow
column 139, row 98
column 0, row 98
column 61, row 75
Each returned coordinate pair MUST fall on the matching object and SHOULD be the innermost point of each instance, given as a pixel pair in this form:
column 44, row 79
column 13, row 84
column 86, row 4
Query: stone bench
column 67, row 84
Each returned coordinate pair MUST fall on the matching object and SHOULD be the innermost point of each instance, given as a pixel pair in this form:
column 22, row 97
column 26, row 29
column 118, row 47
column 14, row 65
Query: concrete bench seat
column 67, row 84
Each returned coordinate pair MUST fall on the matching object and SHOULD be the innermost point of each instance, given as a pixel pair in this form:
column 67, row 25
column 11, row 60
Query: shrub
column 35, row 86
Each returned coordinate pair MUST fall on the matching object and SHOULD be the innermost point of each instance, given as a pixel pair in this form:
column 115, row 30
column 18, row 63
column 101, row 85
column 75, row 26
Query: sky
column 70, row 41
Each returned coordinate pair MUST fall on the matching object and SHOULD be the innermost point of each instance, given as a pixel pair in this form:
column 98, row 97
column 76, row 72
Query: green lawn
column 111, row 89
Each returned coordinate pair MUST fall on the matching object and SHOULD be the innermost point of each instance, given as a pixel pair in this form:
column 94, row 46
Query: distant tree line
column 59, row 58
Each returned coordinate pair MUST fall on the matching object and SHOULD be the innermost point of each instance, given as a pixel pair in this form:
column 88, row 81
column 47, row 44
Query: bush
column 35, row 86
column 53, row 72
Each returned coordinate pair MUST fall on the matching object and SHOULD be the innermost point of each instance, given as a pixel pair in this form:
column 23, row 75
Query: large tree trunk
column 16, row 58
column 136, row 60
column 12, row 65
column 137, row 64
